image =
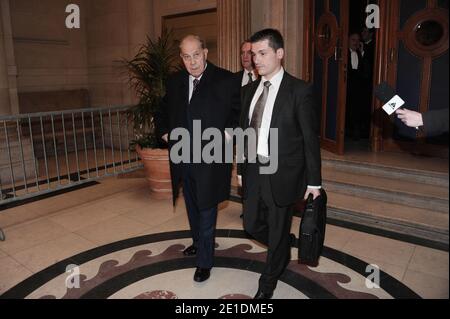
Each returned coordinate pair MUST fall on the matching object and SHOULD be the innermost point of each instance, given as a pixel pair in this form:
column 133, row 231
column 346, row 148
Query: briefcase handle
column 310, row 202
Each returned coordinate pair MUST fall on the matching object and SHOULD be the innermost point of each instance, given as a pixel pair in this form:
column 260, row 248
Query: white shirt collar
column 276, row 79
column 252, row 72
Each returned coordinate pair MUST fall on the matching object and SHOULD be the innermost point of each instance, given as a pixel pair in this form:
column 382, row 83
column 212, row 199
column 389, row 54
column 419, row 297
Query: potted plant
column 148, row 72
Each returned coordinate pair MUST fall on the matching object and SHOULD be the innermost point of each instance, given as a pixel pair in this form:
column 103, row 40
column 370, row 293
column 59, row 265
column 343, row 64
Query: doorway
column 360, row 70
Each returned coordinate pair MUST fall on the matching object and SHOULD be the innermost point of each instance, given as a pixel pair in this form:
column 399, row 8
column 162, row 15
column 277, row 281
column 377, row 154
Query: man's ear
column 205, row 51
column 280, row 54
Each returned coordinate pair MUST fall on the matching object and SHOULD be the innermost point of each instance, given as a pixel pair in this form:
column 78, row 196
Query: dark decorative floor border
column 391, row 285
column 376, row 231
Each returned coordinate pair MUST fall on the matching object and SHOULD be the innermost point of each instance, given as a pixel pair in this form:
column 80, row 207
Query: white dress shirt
column 263, row 137
column 246, row 78
column 355, row 58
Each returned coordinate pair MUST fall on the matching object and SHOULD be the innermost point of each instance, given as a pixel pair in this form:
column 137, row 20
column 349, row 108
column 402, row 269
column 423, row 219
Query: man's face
column 246, row 56
column 354, row 42
column 366, row 35
column 193, row 56
column 267, row 60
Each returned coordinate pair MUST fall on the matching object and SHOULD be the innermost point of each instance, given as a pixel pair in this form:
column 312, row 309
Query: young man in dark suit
column 206, row 93
column 277, row 101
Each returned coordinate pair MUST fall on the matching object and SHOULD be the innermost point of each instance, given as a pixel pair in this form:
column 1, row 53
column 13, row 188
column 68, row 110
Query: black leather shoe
column 190, row 251
column 263, row 295
column 202, row 274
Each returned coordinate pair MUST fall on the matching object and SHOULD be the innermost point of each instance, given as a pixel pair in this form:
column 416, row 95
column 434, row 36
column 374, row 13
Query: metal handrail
column 45, row 151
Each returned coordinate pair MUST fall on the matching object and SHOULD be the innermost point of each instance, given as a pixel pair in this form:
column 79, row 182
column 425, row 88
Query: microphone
column 386, row 94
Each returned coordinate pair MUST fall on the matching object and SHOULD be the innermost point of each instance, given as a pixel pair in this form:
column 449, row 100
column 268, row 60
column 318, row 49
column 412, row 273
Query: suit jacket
column 238, row 76
column 216, row 103
column 297, row 121
column 435, row 122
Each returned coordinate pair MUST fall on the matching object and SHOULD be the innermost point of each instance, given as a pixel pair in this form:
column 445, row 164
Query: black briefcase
column 312, row 230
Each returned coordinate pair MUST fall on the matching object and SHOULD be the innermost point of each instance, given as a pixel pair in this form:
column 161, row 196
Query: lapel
column 184, row 88
column 283, row 94
column 248, row 101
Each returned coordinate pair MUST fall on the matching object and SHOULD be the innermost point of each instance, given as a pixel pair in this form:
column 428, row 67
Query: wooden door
column 330, row 68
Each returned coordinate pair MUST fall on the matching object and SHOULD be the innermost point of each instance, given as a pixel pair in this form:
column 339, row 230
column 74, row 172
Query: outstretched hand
column 410, row 118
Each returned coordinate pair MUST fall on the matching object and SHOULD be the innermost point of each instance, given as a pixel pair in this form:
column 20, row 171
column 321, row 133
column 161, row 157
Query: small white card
column 393, row 105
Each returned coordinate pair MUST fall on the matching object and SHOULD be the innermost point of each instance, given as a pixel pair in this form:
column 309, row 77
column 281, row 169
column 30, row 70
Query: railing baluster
column 103, row 141
column 120, row 139
column 95, row 142
column 10, row 160
column 112, row 142
column 56, row 150
column 128, row 142
column 45, row 152
column 76, row 146
column 21, row 156
column 34, row 156
column 85, row 146
column 69, row 177
column 1, row 189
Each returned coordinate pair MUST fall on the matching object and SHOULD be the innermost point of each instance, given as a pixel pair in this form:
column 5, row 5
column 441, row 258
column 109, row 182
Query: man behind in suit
column 358, row 108
column 248, row 73
column 277, row 101
column 207, row 93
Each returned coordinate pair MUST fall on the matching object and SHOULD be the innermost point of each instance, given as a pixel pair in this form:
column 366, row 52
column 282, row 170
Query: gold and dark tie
column 256, row 120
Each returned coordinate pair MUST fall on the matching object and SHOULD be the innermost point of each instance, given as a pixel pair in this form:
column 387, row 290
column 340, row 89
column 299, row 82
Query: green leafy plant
column 148, row 72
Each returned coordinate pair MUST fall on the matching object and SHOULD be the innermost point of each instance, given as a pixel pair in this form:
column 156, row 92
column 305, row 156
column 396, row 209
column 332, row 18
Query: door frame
column 380, row 70
column 309, row 33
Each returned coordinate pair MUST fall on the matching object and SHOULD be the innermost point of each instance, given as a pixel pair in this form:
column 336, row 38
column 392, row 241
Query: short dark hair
column 274, row 36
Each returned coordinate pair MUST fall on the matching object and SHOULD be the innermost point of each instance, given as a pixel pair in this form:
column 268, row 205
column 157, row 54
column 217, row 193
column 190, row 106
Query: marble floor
column 127, row 245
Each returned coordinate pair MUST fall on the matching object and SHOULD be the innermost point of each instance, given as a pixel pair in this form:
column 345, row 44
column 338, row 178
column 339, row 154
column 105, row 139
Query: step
column 404, row 174
column 390, row 190
column 415, row 222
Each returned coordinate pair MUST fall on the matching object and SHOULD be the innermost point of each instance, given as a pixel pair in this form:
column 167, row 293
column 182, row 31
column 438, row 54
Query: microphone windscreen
column 384, row 92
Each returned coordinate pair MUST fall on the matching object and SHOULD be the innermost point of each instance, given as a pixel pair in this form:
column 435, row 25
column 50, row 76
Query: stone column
column 287, row 16
column 234, row 27
column 140, row 26
column 9, row 103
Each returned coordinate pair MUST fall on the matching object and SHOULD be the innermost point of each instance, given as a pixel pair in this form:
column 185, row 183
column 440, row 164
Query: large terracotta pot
column 157, row 171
